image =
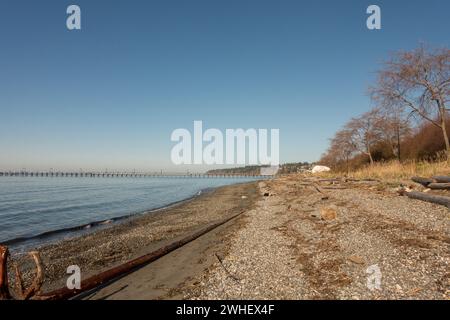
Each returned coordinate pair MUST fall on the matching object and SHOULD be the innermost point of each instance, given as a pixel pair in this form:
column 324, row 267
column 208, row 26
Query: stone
column 318, row 169
column 328, row 213
column 356, row 259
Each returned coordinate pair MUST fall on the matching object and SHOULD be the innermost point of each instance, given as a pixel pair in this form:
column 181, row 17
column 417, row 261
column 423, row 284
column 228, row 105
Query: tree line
column 410, row 95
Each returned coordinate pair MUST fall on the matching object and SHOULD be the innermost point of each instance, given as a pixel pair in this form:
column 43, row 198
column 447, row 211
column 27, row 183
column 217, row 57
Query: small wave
column 92, row 225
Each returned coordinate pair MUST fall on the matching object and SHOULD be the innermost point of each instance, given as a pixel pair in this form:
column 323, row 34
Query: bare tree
column 343, row 147
column 393, row 125
column 365, row 132
column 420, row 81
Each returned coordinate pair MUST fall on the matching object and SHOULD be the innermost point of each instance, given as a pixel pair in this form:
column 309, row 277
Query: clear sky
column 110, row 95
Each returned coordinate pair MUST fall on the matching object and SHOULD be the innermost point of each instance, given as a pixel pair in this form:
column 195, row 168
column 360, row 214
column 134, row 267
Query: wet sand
column 129, row 239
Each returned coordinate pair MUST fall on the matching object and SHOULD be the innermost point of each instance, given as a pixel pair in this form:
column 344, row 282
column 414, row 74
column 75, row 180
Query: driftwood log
column 439, row 186
column 126, row 268
column 4, row 289
column 21, row 292
column 441, row 179
column 35, row 287
column 423, row 181
column 445, row 201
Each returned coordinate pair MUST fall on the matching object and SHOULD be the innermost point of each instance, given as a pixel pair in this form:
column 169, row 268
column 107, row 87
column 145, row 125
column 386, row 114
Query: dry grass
column 398, row 171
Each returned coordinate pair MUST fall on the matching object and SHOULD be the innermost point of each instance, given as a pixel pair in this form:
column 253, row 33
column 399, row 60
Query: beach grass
column 395, row 170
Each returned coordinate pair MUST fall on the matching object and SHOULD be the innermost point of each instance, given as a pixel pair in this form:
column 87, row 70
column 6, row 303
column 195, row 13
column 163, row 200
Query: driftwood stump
column 4, row 290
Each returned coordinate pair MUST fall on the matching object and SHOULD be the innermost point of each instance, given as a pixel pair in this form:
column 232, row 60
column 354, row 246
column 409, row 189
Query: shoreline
column 23, row 244
column 139, row 234
column 307, row 238
column 294, row 237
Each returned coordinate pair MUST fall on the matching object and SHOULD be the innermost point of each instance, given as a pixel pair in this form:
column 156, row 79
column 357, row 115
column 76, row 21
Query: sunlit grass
column 395, row 170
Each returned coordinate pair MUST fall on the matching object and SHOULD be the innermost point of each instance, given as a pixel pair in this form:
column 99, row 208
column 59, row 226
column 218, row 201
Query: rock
column 244, row 197
column 328, row 213
column 318, row 169
column 266, row 194
column 356, row 259
column 398, row 288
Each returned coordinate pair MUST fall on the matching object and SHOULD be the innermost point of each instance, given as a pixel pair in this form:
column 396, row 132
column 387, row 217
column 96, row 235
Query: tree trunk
column 443, row 113
column 348, row 169
column 447, row 143
column 398, row 144
column 369, row 153
column 370, row 157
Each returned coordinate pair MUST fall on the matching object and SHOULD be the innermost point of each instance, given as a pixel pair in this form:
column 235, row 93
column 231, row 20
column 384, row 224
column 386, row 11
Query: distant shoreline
column 53, row 236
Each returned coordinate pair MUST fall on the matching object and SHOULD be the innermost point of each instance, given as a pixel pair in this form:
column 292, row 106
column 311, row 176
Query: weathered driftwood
column 226, row 270
column 324, row 195
column 361, row 180
column 4, row 290
column 445, row 201
column 330, row 180
column 441, row 179
column 126, row 268
column 334, row 188
column 423, row 181
column 439, row 186
column 35, row 287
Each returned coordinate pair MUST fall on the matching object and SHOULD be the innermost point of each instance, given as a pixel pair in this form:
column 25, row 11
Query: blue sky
column 109, row 95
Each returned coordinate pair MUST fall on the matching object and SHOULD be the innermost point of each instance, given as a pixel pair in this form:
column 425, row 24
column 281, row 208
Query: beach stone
column 318, row 169
column 356, row 259
column 328, row 213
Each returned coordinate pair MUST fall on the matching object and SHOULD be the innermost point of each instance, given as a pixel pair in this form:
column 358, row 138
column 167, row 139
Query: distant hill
column 250, row 170
column 255, row 170
column 295, row 167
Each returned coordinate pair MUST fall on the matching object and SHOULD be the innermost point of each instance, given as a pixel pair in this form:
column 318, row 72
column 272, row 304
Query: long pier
column 83, row 174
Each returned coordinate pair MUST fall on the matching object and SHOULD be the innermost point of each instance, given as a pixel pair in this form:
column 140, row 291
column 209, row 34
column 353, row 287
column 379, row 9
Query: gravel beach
column 312, row 240
column 137, row 236
column 298, row 237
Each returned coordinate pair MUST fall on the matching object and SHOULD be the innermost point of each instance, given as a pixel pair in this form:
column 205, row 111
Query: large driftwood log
column 445, row 201
column 439, row 186
column 423, row 181
column 123, row 269
column 441, row 179
column 4, row 290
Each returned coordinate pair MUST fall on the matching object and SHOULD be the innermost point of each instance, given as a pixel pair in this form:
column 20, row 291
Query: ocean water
column 38, row 210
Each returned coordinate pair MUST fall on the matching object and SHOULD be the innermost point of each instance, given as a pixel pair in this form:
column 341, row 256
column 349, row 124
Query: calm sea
column 37, row 210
